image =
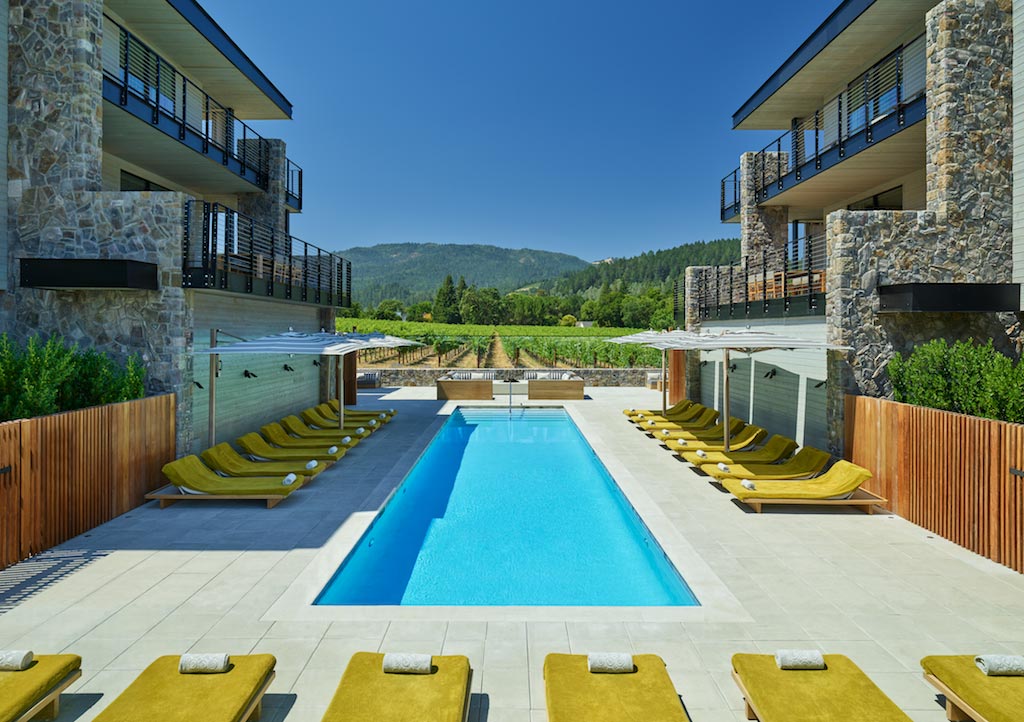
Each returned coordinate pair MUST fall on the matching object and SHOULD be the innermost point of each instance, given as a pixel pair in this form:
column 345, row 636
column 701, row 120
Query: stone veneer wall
column 966, row 233
column 591, row 377
column 762, row 227
column 269, row 207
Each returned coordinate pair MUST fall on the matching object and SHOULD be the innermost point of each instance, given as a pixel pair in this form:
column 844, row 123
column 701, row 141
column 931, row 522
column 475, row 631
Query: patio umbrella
column 652, row 339
column 301, row 344
column 746, row 341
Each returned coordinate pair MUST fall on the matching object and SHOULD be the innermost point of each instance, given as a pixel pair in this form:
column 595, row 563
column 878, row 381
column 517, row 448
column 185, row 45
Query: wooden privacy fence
column 62, row 475
column 959, row 476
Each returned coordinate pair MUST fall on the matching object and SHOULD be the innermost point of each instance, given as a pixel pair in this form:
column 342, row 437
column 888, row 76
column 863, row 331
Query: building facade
column 143, row 211
column 882, row 217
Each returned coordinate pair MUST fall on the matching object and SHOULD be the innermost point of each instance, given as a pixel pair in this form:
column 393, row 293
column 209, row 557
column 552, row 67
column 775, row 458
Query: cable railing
column 786, row 279
column 293, row 185
column 883, row 91
column 142, row 74
column 231, row 251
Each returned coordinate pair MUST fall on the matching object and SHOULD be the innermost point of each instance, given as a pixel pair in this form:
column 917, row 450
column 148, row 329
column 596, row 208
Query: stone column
column 761, row 227
column 693, row 323
column 269, row 207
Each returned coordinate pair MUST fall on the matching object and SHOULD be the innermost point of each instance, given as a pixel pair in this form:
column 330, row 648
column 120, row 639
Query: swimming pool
column 507, row 509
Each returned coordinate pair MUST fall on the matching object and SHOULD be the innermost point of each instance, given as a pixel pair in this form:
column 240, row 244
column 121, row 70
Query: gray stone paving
column 209, row 577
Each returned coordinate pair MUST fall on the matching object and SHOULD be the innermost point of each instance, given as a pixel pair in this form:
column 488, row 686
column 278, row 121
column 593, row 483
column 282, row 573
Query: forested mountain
column 653, row 269
column 410, row 272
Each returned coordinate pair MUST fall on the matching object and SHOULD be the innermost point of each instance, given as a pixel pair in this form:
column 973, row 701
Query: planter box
column 472, row 390
column 551, row 390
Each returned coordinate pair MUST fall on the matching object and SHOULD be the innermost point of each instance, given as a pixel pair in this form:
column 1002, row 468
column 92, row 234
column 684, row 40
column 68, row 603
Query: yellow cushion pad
column 998, row 699
column 21, row 690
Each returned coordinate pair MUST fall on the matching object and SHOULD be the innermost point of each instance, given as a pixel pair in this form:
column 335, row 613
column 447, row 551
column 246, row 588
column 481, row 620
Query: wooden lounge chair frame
column 170, row 494
column 49, row 706
column 861, row 498
column 255, row 709
column 748, row 708
column 956, row 709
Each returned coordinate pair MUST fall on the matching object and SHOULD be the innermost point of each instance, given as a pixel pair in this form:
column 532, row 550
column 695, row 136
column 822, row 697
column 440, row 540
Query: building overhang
column 189, row 38
column 71, row 274
column 949, row 298
column 854, row 36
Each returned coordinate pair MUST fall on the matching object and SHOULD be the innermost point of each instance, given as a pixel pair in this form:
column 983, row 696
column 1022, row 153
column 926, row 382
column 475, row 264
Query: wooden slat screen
column 949, row 473
column 72, row 472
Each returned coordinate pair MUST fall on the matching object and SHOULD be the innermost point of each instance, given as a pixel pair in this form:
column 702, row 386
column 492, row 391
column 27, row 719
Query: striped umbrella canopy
column 742, row 341
column 311, row 344
column 654, row 339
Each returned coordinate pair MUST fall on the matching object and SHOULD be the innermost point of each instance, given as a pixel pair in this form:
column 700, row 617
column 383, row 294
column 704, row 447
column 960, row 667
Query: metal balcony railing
column 169, row 97
column 227, row 250
column 779, row 281
column 883, row 92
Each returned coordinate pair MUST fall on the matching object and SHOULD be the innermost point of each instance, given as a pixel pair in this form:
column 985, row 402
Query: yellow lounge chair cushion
column 675, row 409
column 998, row 699
column 840, row 693
column 681, row 415
column 806, row 463
column 313, row 417
column 576, row 695
column 275, row 433
column 701, row 422
column 19, row 691
column 778, row 447
column 842, row 479
column 256, row 445
column 367, row 694
column 162, row 693
column 746, row 437
column 333, row 403
column 295, row 425
column 191, row 473
column 225, row 459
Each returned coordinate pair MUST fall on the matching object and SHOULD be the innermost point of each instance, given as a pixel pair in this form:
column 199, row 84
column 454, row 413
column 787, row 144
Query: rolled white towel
column 650, row 423
column 799, row 659
column 632, row 411
column 391, row 411
column 610, row 663
column 203, row 664
column 15, row 660
column 332, row 450
column 373, row 422
column 312, row 464
column 1000, row 665
column 748, row 484
column 641, row 416
column 722, row 466
column 347, row 440
column 360, row 430
column 382, row 415
column 682, row 442
column 397, row 663
column 290, row 479
column 665, row 432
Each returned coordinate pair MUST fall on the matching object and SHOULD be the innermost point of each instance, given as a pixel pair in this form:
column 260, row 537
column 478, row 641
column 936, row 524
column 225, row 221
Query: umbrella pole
column 725, row 399
column 338, row 390
column 664, row 382
column 211, row 428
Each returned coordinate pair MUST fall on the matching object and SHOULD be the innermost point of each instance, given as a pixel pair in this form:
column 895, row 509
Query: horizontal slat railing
column 65, row 474
column 957, row 476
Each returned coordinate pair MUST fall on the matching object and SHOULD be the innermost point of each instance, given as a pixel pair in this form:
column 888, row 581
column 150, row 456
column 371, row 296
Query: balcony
column 879, row 104
column 228, row 251
column 200, row 143
column 775, row 283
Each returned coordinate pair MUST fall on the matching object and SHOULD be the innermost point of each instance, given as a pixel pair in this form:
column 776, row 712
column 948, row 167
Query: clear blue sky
column 591, row 127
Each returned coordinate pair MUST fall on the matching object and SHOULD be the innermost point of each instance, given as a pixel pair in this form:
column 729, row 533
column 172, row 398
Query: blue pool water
column 508, row 510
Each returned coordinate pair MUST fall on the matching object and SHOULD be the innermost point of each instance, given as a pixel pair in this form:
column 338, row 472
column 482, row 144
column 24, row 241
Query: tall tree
column 446, row 303
column 460, row 290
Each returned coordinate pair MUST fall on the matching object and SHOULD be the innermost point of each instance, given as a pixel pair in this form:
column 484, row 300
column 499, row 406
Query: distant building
column 881, row 218
column 144, row 211
column 584, row 324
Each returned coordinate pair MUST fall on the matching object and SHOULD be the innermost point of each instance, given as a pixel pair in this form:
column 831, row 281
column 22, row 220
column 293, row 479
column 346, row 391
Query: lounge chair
column 574, row 694
column 839, row 693
column 260, row 449
column 702, row 421
column 35, row 692
column 805, row 464
column 367, row 694
column 315, row 420
column 374, row 421
column 674, row 409
column 971, row 694
column 839, row 486
column 162, row 693
column 192, row 480
column 685, row 417
column 774, row 450
column 297, row 427
column 333, row 403
column 224, row 459
column 277, row 435
column 715, row 433
column 746, row 437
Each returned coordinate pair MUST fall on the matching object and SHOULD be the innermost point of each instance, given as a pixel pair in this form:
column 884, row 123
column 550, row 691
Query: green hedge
column 966, row 378
column 46, row 378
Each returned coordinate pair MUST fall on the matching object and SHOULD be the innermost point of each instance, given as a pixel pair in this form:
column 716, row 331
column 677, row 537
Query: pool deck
column 237, row 578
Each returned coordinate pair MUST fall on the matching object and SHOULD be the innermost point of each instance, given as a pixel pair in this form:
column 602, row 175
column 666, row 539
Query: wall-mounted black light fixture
column 198, row 385
column 770, row 374
column 316, row 362
column 249, row 374
column 732, row 368
column 703, row 364
column 819, row 384
column 288, row 368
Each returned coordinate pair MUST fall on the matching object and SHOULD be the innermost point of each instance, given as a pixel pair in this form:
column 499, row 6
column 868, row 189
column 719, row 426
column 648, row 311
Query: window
column 132, row 182
column 890, row 200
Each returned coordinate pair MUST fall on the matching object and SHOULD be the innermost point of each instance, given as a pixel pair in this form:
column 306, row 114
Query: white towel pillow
column 396, row 663
column 332, row 450
column 360, row 430
column 799, row 659
column 290, row 479
column 15, row 660
column 203, row 664
column 748, row 484
column 312, row 464
column 702, row 454
column 610, row 663
column 346, row 440
column 723, row 467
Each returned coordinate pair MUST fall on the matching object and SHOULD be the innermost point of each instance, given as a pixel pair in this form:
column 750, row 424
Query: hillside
column 653, row 269
column 411, row 272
